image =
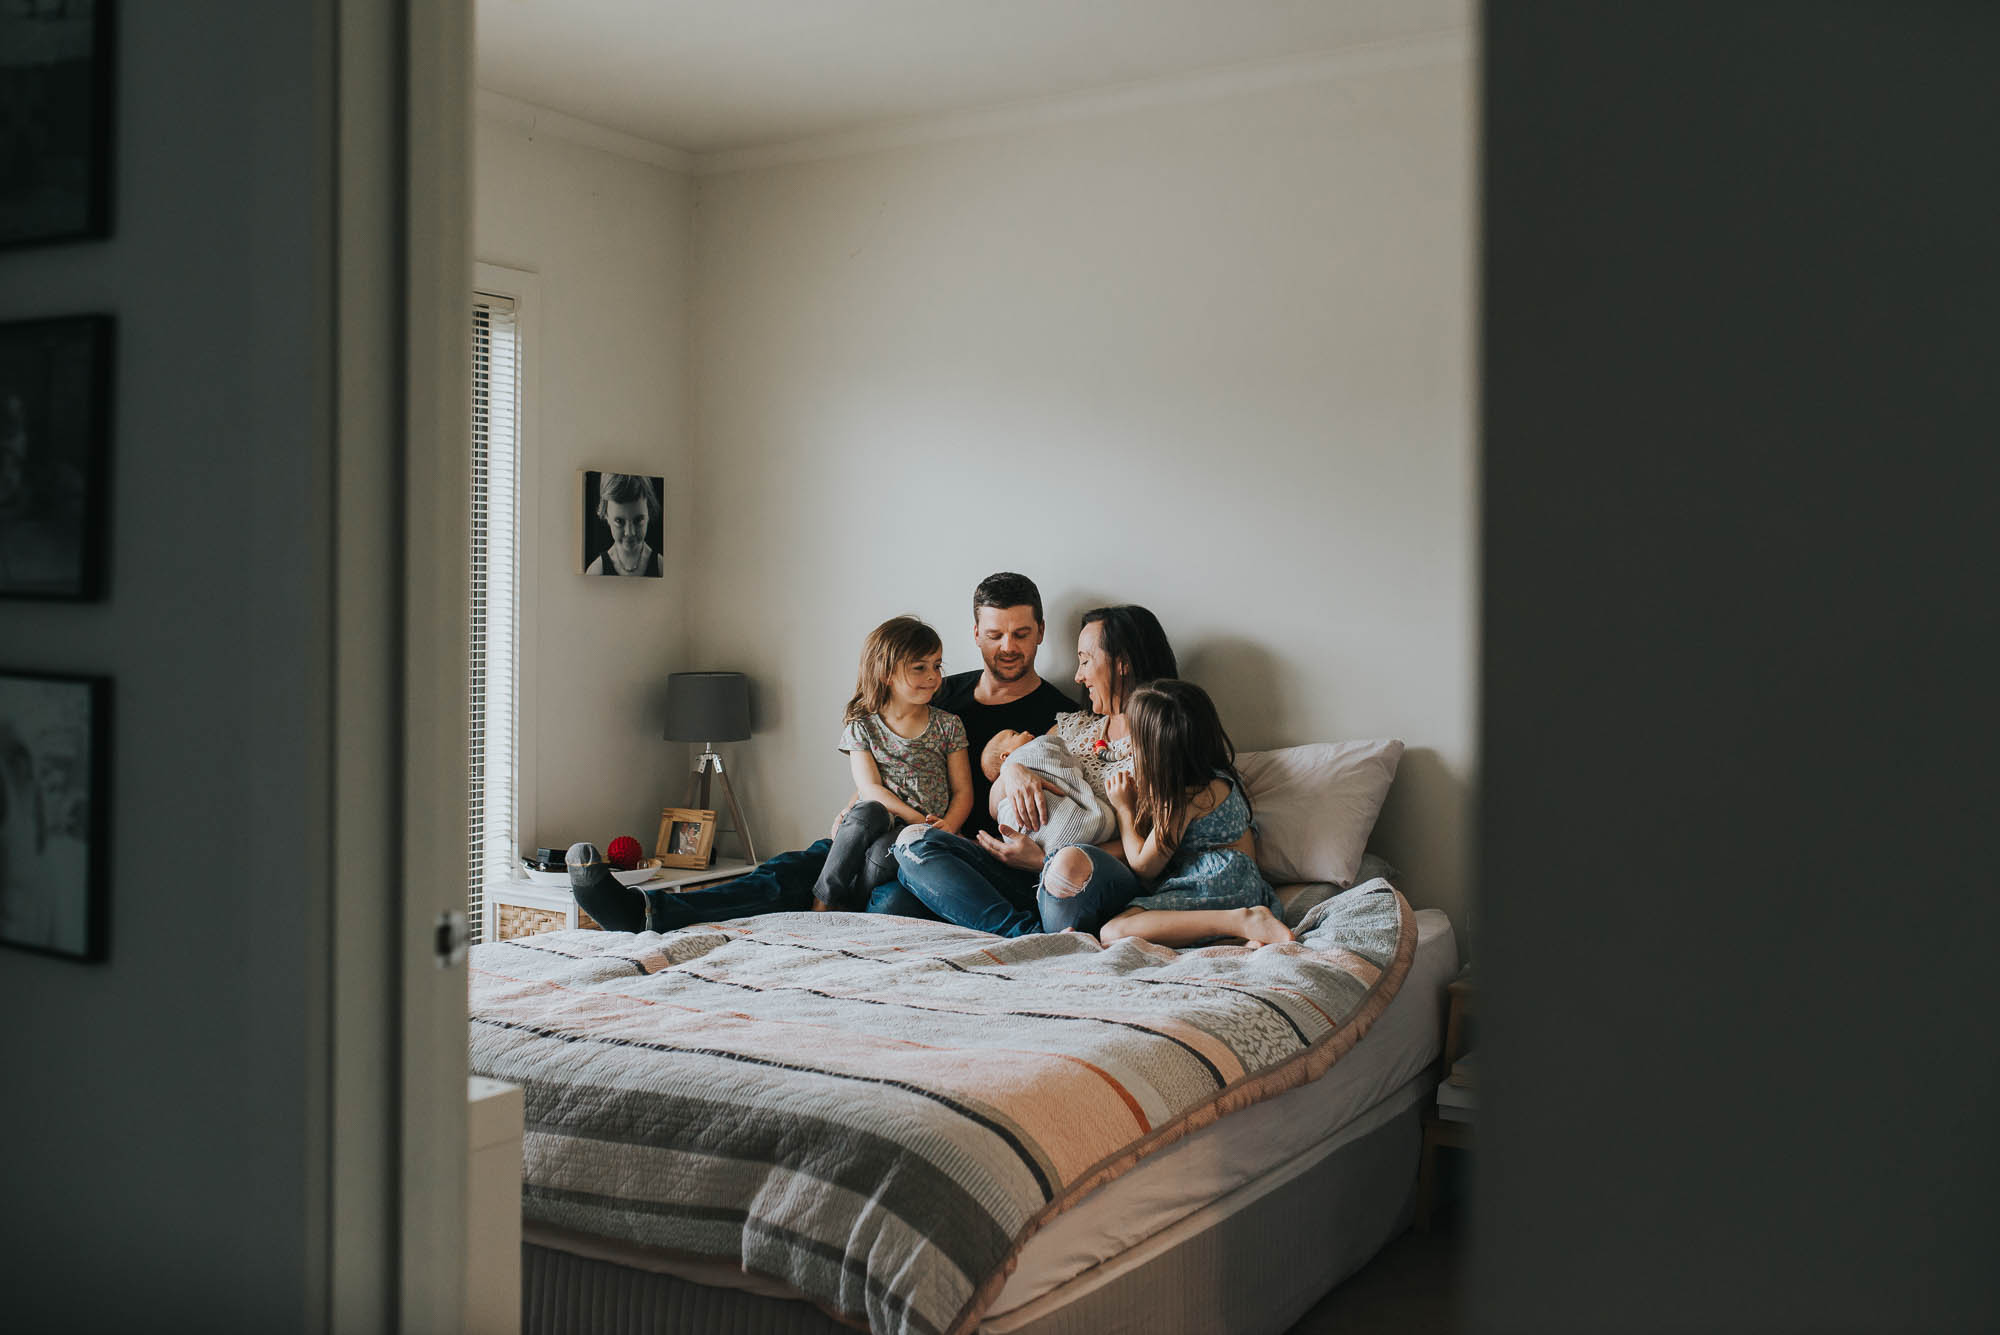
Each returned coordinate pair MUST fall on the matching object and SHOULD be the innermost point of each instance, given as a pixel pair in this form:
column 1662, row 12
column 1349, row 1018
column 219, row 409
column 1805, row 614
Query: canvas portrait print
column 55, row 403
column 53, row 808
column 55, row 120
column 622, row 527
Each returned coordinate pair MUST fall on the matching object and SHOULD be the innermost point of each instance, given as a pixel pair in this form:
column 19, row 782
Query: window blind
column 495, row 661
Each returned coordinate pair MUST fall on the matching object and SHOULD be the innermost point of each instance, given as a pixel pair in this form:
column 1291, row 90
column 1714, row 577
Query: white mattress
column 1190, row 1176
column 1225, row 1155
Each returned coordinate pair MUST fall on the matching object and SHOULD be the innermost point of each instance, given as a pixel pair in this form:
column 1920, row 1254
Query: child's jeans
column 862, row 857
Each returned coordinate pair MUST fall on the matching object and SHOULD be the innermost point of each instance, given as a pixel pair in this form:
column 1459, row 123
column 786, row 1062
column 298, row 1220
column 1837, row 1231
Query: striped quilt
column 877, row 1112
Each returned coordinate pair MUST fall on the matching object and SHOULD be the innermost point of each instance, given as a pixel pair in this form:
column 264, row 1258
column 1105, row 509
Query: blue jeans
column 783, row 884
column 892, row 896
column 963, row 883
column 1111, row 885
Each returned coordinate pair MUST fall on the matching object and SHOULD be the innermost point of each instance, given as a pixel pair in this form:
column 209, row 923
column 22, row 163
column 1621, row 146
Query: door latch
column 451, row 938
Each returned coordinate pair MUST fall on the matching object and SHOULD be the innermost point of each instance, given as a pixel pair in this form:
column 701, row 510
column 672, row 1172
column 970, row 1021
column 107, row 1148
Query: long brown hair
column 1178, row 749
column 1136, row 645
column 890, row 645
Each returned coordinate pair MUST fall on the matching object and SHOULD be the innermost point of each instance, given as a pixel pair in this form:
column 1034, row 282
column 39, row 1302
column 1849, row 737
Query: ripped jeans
column 964, row 884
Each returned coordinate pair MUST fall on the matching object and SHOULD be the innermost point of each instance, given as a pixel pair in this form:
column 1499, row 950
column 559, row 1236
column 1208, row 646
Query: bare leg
column 1185, row 927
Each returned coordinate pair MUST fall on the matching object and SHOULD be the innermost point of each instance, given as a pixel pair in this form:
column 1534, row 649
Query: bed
column 1233, row 1203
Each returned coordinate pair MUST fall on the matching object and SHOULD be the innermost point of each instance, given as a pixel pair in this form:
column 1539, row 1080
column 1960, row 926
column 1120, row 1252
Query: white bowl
column 560, row 879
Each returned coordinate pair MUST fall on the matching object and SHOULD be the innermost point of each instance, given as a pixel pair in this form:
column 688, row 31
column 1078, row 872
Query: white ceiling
column 714, row 75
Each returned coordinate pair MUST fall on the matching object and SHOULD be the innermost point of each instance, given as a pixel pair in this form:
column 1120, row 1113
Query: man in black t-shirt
column 1034, row 712
column 1005, row 695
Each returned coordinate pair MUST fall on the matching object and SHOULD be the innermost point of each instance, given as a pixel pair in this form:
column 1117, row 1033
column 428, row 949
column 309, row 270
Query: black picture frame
column 595, row 538
column 55, row 813
column 56, row 114
column 55, row 446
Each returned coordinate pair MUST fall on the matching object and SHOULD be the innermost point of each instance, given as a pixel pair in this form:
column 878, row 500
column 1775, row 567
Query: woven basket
column 517, row 920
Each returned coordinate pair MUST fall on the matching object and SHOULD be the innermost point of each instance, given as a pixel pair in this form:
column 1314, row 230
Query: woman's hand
column 1122, row 790
column 1024, row 789
column 1013, row 848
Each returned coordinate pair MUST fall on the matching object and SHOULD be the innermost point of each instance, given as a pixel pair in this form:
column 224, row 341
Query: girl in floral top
column 909, row 761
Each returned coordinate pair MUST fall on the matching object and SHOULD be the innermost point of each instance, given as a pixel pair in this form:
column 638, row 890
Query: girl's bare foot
column 1261, row 926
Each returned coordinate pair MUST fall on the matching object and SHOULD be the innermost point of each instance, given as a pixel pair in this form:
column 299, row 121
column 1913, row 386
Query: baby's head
column 1004, row 744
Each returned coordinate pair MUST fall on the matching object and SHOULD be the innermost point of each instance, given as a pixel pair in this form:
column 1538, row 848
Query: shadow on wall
column 1424, row 829
column 1061, row 620
column 767, row 708
column 1247, row 683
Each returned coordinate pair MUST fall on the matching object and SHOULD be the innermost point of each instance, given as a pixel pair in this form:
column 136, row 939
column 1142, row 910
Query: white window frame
column 523, row 288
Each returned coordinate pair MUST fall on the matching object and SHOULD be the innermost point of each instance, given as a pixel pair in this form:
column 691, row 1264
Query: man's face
column 1007, row 638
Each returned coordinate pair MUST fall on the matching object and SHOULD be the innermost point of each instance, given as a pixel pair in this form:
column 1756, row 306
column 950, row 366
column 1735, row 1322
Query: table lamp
column 711, row 707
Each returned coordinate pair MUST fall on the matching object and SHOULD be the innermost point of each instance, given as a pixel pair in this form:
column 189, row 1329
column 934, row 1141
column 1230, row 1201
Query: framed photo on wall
column 622, row 529
column 54, row 811
column 687, row 838
column 55, row 120
column 55, row 437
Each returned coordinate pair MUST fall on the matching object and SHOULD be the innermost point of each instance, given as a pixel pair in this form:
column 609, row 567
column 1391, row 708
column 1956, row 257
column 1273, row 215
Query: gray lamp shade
column 708, row 707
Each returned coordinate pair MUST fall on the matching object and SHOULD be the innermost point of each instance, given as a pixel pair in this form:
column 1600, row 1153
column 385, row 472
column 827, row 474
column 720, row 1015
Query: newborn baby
column 1076, row 815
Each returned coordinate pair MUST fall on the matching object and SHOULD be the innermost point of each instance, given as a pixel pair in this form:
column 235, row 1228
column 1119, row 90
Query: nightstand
column 521, row 908
column 1449, row 1124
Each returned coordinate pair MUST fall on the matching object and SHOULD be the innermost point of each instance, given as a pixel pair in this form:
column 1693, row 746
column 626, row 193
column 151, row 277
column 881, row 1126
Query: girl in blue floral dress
column 1183, row 819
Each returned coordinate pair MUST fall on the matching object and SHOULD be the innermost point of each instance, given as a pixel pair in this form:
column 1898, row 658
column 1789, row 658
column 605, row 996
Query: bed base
column 1252, row 1262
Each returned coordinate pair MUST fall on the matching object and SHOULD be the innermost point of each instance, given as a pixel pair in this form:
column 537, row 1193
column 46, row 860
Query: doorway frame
column 389, row 1150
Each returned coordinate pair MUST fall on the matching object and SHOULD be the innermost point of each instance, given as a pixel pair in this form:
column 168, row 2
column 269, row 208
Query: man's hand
column 1013, row 848
column 1024, row 790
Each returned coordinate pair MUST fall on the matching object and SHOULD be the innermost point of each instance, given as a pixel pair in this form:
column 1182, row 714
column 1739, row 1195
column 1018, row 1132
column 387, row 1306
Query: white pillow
column 1315, row 806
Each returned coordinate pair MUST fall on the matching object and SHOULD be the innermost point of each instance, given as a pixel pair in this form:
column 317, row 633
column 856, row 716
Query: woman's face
column 1094, row 671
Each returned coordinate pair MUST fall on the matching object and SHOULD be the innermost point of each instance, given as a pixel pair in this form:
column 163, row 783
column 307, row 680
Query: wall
column 1211, row 356
column 163, row 1097
column 1737, row 844
column 608, row 238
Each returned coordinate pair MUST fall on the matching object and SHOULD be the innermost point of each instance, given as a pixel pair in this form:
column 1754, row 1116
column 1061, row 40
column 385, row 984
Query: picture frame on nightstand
column 686, row 839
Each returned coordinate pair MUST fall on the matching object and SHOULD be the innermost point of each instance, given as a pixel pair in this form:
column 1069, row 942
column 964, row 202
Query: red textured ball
column 624, row 853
